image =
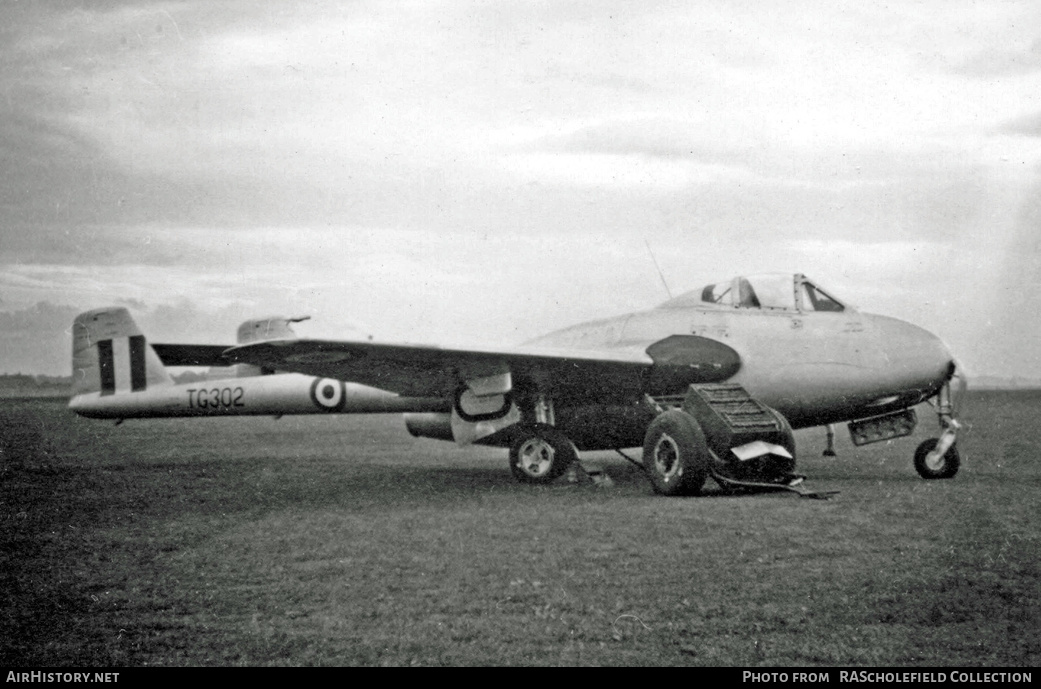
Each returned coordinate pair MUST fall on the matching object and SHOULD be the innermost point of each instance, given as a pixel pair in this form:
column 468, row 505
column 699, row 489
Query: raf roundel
column 328, row 394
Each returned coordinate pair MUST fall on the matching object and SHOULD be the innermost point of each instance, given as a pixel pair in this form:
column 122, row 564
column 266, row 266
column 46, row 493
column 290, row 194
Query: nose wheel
column 930, row 461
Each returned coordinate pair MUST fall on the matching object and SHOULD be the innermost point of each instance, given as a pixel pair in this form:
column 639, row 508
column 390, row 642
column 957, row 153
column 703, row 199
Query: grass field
column 343, row 541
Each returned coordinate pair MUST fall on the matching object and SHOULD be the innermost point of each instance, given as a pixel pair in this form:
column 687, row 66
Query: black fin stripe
column 138, row 380
column 106, row 367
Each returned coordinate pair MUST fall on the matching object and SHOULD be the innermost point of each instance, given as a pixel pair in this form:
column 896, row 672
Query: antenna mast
column 667, row 290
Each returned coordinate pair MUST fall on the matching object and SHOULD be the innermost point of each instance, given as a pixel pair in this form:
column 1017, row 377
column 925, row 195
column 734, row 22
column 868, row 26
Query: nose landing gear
column 938, row 457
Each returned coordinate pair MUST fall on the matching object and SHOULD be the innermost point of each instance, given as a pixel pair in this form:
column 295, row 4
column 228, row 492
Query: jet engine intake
column 473, row 408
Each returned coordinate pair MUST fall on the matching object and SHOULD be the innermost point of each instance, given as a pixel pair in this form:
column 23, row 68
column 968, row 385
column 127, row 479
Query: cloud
column 1028, row 125
column 1002, row 61
column 606, row 170
column 37, row 340
column 492, row 170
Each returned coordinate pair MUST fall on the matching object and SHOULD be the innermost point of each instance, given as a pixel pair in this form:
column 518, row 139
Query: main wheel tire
column 675, row 454
column 541, row 455
column 945, row 467
column 785, row 437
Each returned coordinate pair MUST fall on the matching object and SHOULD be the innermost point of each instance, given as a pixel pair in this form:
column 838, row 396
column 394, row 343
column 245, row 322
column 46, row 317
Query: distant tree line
column 25, row 385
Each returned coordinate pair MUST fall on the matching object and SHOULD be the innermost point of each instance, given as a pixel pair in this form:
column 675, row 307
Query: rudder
column 111, row 355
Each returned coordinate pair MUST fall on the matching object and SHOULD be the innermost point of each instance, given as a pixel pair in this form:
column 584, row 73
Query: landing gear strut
column 829, row 451
column 938, row 457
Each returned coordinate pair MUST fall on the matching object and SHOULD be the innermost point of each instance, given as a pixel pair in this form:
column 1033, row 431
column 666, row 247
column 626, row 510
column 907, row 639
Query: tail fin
column 271, row 328
column 110, row 354
column 257, row 330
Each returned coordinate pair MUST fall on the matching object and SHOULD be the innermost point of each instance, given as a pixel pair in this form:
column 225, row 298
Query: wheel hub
column 536, row 457
column 667, row 457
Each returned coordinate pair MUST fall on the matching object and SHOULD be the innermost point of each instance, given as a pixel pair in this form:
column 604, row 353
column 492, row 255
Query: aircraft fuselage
column 815, row 368
column 262, row 395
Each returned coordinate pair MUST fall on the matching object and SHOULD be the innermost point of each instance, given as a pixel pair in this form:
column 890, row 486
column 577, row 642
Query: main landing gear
column 541, row 454
column 714, row 430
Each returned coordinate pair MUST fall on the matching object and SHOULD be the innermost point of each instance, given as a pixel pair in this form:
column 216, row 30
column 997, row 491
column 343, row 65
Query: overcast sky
column 482, row 172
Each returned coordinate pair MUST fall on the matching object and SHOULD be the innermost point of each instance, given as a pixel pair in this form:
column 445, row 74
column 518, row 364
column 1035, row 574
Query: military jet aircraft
column 710, row 383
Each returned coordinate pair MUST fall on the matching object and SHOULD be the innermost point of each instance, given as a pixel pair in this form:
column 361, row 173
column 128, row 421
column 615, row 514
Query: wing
column 191, row 355
column 614, row 374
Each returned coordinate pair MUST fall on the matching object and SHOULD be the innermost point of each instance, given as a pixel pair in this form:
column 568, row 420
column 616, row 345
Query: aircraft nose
column 914, row 357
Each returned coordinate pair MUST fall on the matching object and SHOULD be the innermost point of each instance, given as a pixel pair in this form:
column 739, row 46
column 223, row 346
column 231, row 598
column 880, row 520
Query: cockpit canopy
column 769, row 291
